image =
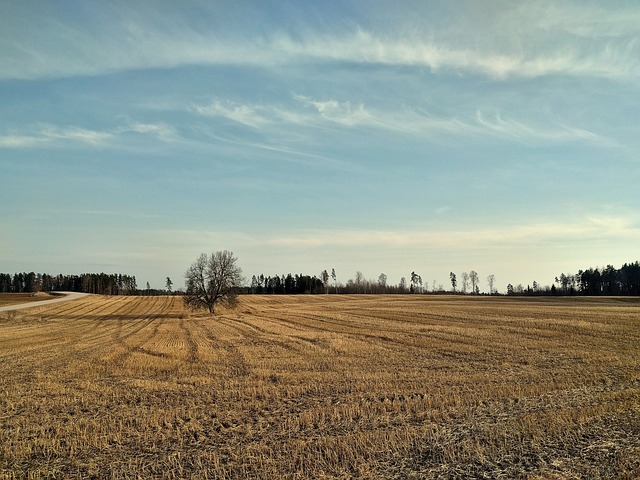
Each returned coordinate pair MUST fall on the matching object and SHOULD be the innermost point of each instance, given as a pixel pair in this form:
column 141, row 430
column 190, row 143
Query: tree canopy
column 212, row 279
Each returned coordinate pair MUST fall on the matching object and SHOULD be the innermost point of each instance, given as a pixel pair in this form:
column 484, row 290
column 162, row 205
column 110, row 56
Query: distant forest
column 608, row 281
column 311, row 284
column 100, row 283
column 592, row 281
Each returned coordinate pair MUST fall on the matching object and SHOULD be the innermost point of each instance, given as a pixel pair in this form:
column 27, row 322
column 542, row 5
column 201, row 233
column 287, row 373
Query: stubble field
column 17, row 298
column 322, row 387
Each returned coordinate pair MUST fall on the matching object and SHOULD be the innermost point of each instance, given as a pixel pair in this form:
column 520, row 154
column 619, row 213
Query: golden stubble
column 406, row 386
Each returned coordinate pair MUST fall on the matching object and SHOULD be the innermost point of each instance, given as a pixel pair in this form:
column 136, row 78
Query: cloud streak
column 48, row 135
column 590, row 228
column 514, row 129
column 536, row 41
column 308, row 112
column 240, row 113
column 45, row 136
column 163, row 132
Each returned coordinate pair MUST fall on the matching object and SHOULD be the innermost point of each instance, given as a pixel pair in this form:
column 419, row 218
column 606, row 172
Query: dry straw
column 406, row 386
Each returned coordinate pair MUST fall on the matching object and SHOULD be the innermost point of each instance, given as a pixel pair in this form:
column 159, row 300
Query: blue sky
column 501, row 137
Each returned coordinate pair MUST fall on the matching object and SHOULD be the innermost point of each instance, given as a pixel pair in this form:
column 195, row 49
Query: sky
column 383, row 137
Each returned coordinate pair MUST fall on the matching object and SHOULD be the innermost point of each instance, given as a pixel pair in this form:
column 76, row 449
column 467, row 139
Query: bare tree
column 359, row 282
column 465, row 282
column 382, row 281
column 491, row 280
column 325, row 280
column 213, row 279
column 473, row 276
column 334, row 278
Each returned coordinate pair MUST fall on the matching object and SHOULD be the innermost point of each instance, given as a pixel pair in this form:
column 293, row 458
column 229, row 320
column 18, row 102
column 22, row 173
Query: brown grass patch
column 322, row 387
column 17, row 298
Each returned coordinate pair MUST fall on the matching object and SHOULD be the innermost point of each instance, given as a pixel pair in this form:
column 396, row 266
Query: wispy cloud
column 588, row 229
column 240, row 113
column 278, row 122
column 585, row 229
column 75, row 134
column 19, row 141
column 614, row 59
column 52, row 135
column 584, row 20
column 162, row 131
column 346, row 113
column 257, row 116
column 536, row 39
column 47, row 135
column 309, row 112
column 517, row 130
column 342, row 113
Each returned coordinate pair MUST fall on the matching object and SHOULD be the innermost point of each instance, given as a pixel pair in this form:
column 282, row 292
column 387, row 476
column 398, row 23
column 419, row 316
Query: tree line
column 98, row 283
column 216, row 278
column 285, row 284
column 592, row 281
column 328, row 283
column 607, row 280
column 324, row 283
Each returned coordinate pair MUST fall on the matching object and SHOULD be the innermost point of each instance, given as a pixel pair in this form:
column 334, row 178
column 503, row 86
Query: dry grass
column 322, row 387
column 17, row 298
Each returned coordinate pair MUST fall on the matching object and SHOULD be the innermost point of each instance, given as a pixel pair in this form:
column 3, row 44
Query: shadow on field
column 111, row 316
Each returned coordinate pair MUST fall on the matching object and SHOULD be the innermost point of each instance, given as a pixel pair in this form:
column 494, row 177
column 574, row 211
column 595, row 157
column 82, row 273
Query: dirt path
column 64, row 297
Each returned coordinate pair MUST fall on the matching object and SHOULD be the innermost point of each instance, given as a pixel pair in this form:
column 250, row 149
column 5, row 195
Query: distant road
column 64, row 297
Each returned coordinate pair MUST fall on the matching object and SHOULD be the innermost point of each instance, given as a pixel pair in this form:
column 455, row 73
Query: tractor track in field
column 68, row 333
column 94, row 331
column 192, row 346
column 255, row 335
column 293, row 340
column 101, row 326
column 233, row 361
column 96, row 302
column 313, row 322
column 87, row 334
column 390, row 336
column 137, row 325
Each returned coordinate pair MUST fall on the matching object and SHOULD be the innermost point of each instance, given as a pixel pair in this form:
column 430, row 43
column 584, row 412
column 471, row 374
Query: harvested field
column 17, row 298
column 406, row 386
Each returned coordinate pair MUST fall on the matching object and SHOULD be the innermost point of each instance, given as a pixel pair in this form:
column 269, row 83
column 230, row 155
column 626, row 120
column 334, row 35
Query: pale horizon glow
column 377, row 137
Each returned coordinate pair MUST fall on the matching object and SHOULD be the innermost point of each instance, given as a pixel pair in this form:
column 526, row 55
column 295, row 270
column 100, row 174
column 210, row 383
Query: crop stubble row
column 331, row 386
